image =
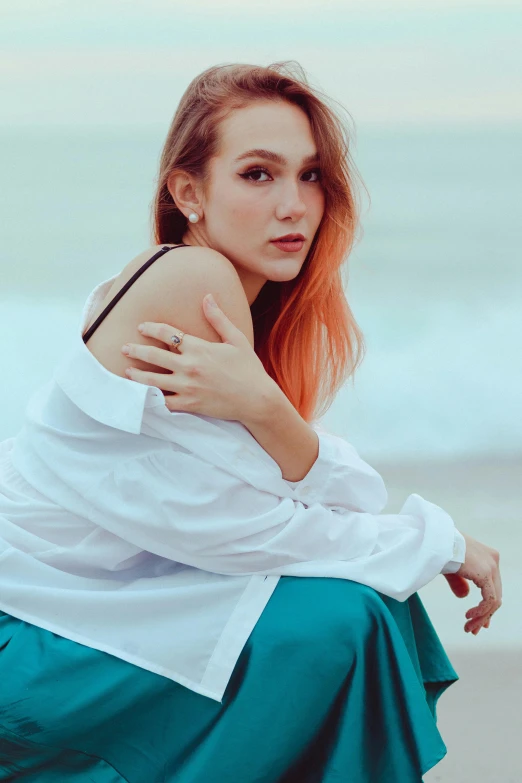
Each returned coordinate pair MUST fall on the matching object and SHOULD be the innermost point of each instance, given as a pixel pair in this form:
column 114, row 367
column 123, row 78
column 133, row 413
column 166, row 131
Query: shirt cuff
column 459, row 554
column 339, row 477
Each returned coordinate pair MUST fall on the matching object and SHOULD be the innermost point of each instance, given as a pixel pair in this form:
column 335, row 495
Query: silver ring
column 177, row 338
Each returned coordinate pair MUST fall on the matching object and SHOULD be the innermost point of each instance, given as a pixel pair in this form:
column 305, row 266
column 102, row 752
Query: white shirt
column 159, row 536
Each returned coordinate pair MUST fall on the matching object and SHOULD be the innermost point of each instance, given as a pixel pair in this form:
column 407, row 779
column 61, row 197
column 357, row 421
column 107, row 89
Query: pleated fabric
column 337, row 683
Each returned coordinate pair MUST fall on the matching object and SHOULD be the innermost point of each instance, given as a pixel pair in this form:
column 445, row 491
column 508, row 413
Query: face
column 254, row 198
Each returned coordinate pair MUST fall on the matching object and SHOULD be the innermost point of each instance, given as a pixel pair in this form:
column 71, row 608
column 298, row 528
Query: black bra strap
column 90, row 331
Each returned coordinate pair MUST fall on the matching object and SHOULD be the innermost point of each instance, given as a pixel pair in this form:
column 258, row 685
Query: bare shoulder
column 173, row 287
column 169, row 291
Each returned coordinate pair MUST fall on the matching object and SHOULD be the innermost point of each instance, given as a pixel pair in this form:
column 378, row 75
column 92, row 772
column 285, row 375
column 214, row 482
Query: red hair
column 304, row 330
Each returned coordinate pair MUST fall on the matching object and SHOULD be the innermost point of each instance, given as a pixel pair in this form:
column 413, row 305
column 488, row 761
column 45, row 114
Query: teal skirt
column 337, row 683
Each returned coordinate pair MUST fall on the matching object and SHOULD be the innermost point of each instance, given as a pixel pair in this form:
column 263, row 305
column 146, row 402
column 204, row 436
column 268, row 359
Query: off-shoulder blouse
column 159, row 536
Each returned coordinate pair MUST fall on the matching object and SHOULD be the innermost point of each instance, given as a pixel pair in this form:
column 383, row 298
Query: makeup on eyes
column 254, row 169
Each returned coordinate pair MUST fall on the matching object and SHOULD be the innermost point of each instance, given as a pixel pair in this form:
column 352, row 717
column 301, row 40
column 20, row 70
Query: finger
column 478, row 623
column 165, row 332
column 485, row 619
column 485, row 608
column 498, row 583
column 491, row 588
column 163, row 381
column 221, row 323
column 488, row 602
column 152, row 355
column 458, row 584
column 177, row 402
column 482, row 622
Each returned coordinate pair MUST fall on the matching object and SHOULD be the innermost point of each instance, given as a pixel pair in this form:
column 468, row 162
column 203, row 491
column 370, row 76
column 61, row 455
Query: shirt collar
column 102, row 395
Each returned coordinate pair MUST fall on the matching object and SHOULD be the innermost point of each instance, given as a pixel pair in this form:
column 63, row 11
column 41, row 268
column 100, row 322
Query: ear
column 183, row 189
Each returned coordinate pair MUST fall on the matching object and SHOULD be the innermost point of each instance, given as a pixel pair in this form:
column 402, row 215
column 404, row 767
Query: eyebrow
column 275, row 157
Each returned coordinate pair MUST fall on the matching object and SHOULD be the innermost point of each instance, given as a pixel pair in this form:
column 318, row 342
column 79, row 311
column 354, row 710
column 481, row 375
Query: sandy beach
column 480, row 719
column 480, row 716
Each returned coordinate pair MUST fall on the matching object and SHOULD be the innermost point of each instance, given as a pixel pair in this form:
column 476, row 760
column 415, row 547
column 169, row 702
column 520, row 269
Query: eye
column 317, row 173
column 259, row 170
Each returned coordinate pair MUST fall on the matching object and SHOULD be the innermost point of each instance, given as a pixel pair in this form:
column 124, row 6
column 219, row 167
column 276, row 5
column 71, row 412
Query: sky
column 388, row 62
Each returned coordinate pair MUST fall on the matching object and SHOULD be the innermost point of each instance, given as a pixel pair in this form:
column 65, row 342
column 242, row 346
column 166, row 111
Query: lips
column 289, row 238
column 288, row 245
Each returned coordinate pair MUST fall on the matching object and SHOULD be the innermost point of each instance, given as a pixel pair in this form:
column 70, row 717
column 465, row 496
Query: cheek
column 231, row 195
column 234, row 214
column 316, row 205
column 318, row 199
column 244, row 205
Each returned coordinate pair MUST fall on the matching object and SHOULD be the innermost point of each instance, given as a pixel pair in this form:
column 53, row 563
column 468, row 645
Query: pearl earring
column 193, row 217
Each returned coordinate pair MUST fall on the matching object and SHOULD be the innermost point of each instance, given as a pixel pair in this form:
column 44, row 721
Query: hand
column 481, row 566
column 458, row 584
column 225, row 380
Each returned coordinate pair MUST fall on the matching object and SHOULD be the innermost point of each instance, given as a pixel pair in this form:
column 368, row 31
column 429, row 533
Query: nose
column 290, row 203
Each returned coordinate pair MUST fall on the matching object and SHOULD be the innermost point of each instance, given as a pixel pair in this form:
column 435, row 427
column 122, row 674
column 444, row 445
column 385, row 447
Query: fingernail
column 125, row 349
column 128, row 372
column 211, row 300
column 141, row 327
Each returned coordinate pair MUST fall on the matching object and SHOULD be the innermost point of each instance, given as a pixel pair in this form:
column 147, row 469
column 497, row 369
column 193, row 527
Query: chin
column 281, row 276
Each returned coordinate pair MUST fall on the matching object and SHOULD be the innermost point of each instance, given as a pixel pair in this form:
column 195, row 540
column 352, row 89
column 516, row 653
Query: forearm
column 284, row 434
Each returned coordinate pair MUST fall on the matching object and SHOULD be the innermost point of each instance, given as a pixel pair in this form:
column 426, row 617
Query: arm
column 170, row 294
column 295, row 446
column 336, row 477
column 284, row 434
column 184, row 508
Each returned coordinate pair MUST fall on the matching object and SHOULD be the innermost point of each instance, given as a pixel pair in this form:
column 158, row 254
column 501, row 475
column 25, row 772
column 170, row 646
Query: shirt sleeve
column 459, row 554
column 177, row 505
column 340, row 477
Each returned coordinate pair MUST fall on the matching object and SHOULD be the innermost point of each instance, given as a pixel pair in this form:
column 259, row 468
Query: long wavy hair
column 305, row 333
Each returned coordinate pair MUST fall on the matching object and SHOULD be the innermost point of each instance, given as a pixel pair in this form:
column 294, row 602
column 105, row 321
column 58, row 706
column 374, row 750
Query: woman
column 157, row 533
